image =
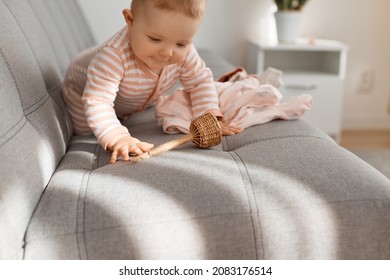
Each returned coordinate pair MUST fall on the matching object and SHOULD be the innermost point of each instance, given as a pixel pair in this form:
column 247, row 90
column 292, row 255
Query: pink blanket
column 245, row 100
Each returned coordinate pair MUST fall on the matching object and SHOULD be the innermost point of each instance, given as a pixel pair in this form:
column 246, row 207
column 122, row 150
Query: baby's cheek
column 177, row 58
column 181, row 55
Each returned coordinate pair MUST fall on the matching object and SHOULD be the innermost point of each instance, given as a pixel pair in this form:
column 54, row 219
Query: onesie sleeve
column 104, row 76
column 198, row 82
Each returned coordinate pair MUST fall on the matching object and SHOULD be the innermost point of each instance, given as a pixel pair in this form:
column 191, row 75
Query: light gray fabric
column 35, row 127
column 282, row 190
column 379, row 158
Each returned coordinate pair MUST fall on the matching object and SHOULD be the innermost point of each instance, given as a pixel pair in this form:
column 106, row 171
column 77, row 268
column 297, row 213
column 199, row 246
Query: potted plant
column 288, row 18
column 290, row 5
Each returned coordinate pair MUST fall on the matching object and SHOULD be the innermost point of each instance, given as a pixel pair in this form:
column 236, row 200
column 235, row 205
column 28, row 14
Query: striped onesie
column 108, row 83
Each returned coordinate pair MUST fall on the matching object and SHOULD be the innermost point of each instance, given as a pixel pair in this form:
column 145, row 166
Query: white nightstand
column 315, row 67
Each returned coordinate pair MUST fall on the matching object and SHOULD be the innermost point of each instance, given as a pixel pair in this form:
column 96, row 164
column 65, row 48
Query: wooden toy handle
column 205, row 132
column 170, row 145
column 163, row 148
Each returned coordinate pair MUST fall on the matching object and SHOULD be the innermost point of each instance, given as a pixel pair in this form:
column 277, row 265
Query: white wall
column 228, row 23
column 104, row 16
column 363, row 25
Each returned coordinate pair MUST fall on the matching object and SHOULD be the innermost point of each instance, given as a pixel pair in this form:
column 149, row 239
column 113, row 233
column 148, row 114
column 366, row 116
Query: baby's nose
column 166, row 52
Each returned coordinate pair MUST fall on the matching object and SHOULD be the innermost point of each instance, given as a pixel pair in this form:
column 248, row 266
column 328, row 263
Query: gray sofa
column 283, row 190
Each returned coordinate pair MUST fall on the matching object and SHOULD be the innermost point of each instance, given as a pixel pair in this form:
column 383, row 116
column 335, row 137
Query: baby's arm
column 198, row 82
column 104, row 77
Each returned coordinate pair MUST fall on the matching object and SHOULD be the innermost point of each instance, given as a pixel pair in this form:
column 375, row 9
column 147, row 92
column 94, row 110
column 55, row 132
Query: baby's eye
column 181, row 45
column 153, row 39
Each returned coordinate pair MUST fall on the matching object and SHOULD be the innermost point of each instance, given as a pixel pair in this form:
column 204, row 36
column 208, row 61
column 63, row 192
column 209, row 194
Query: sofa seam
column 25, row 241
column 80, row 233
column 45, row 97
column 19, row 125
column 37, row 105
column 20, row 96
column 43, row 138
column 252, row 207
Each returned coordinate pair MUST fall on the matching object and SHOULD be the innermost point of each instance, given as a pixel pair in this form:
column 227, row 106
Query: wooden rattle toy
column 205, row 132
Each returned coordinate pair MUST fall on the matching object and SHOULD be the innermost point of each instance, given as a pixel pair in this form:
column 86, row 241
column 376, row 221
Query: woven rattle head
column 206, row 131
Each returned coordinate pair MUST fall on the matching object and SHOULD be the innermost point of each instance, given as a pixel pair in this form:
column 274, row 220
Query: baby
column 135, row 69
column 130, row 71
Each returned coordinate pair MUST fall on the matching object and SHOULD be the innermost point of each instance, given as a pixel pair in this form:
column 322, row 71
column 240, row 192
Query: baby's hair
column 191, row 8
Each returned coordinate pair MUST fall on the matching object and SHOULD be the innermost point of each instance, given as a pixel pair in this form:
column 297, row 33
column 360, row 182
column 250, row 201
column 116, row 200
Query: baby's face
column 160, row 37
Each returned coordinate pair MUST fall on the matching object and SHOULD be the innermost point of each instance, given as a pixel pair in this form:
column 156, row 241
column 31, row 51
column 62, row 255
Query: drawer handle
column 301, row 87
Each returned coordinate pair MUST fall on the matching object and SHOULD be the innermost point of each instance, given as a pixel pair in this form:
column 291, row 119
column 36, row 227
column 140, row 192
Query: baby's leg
column 76, row 111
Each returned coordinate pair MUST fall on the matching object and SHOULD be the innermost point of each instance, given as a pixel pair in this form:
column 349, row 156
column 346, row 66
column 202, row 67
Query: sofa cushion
column 280, row 190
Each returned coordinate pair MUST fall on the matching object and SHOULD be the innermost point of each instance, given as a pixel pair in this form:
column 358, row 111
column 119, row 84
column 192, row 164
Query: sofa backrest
column 38, row 39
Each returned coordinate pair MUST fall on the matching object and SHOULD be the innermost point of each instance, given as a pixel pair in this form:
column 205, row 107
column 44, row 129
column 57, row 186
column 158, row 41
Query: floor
column 371, row 146
column 365, row 139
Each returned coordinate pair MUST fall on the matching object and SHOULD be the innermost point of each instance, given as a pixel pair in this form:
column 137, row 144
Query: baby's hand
column 128, row 145
column 229, row 130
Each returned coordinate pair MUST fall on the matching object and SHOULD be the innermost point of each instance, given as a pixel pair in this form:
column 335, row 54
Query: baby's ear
column 128, row 15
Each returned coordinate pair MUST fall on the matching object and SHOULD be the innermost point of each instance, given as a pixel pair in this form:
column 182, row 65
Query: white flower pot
column 287, row 25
